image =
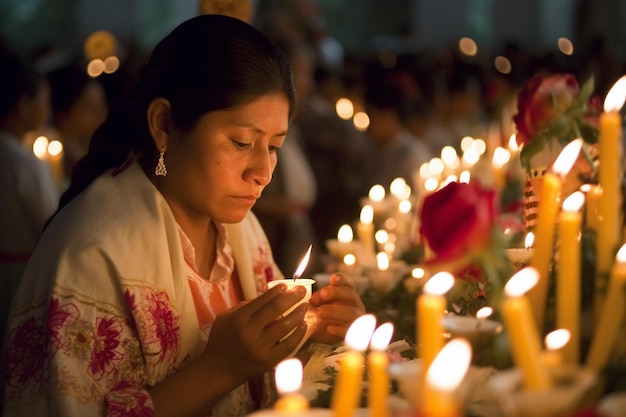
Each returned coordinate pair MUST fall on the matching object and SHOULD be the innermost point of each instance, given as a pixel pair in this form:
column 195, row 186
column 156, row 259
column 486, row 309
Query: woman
column 147, row 292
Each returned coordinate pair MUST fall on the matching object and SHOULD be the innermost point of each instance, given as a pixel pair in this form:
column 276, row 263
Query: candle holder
column 519, row 257
column 480, row 333
column 569, row 387
column 410, row 379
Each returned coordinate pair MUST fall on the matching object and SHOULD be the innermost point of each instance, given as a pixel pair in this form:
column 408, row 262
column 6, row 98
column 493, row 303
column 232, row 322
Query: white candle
column 365, row 230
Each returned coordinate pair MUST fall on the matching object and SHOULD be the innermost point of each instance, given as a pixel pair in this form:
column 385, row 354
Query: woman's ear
column 159, row 118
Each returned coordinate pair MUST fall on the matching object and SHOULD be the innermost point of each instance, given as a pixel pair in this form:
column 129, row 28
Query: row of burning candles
column 444, row 364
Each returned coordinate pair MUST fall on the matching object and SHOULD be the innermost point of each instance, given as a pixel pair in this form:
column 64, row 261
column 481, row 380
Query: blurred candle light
column 288, row 377
column 465, row 177
column 365, row 230
column 431, row 306
column 344, row 108
column 40, row 148
column 552, row 183
column 568, row 285
column 499, row 160
column 55, row 161
column 484, row 312
column 521, row 330
column 347, row 388
column 378, row 361
column 443, row 378
column 361, row 121
column 512, row 144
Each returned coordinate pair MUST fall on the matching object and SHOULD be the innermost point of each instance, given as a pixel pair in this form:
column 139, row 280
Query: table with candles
column 551, row 345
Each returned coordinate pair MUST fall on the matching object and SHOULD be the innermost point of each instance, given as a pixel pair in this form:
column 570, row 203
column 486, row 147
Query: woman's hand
column 336, row 307
column 246, row 340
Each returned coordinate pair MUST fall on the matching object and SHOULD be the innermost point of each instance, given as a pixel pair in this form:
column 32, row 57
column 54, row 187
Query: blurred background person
column 28, row 193
column 79, row 106
column 394, row 151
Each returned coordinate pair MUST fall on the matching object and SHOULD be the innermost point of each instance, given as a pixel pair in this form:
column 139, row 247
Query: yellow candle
column 612, row 316
column 556, row 340
column 549, row 203
column 609, row 232
column 288, row 377
column 443, row 378
column 378, row 361
column 521, row 330
column 592, row 200
column 347, row 389
column 568, row 278
column 431, row 306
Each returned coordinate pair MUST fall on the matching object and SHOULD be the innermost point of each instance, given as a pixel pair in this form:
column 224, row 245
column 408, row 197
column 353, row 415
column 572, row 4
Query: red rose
column 541, row 101
column 457, row 219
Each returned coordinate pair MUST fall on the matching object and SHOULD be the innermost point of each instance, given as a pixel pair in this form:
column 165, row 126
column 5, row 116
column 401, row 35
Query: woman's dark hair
column 208, row 63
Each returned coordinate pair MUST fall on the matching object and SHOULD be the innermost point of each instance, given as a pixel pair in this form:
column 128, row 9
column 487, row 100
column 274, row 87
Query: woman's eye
column 240, row 145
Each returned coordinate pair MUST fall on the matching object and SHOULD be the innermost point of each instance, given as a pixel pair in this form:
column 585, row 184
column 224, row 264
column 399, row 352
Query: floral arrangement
column 459, row 223
column 555, row 108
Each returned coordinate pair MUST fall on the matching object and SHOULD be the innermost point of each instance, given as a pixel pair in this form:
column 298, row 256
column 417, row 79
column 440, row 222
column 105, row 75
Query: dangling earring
column 160, row 169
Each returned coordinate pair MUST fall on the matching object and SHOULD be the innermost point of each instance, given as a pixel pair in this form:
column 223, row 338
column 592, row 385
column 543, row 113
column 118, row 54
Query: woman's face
column 218, row 170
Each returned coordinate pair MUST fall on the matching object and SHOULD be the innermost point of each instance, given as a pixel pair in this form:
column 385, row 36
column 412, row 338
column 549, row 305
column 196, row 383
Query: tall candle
column 378, row 361
column 544, row 232
column 592, row 200
column 431, row 306
column 443, row 377
column 609, row 232
column 522, row 333
column 568, row 285
column 288, row 377
column 347, row 389
column 612, row 316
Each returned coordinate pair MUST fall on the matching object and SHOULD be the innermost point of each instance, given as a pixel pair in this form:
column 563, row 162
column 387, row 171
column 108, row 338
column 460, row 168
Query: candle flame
column 360, row 332
column 529, row 240
column 556, row 339
column 500, row 157
column 418, row 273
column 450, row 366
column 397, row 187
column 621, row 254
column 288, row 376
column 349, row 259
column 55, row 148
column 574, row 202
column 382, row 260
column 616, row 96
column 303, row 264
column 381, row 337
column 439, row 284
column 521, row 282
column 345, row 234
column 367, row 214
column 566, row 159
column 40, row 147
column 484, row 312
column 377, row 193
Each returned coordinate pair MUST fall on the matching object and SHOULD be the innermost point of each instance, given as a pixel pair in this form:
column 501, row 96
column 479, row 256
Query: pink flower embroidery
column 25, row 352
column 165, row 324
column 129, row 402
column 106, row 341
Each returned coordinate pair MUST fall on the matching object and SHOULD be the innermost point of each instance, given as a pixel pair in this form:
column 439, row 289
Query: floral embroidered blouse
column 106, row 308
